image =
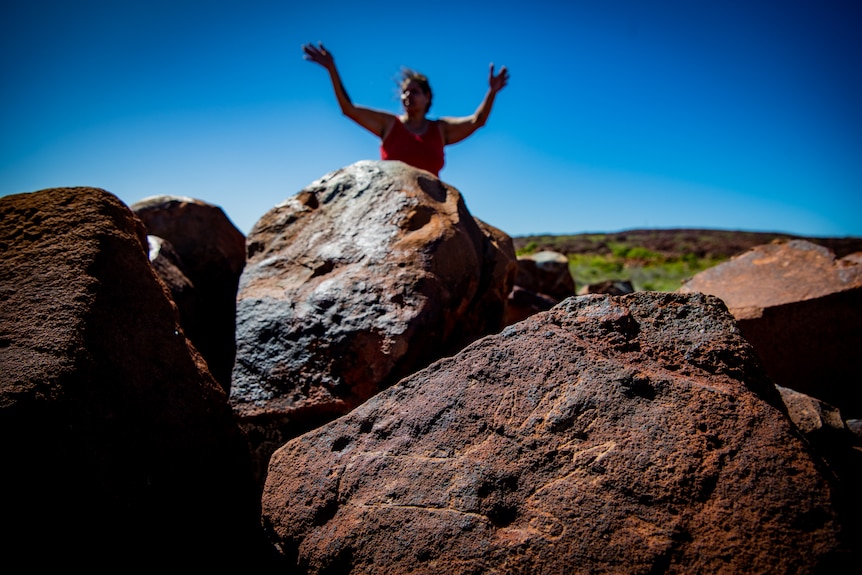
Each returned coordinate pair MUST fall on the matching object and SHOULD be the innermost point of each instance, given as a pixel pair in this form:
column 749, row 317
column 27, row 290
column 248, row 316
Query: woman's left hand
column 498, row 82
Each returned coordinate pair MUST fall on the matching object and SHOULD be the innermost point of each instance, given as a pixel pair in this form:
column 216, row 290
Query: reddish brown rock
column 543, row 280
column 609, row 287
column 169, row 267
column 211, row 252
column 831, row 439
column 632, row 434
column 801, row 310
column 369, row 274
column 523, row 303
column 120, row 452
column 547, row 273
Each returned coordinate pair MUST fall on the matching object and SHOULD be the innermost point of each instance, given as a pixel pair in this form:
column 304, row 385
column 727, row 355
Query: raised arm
column 457, row 129
column 374, row 121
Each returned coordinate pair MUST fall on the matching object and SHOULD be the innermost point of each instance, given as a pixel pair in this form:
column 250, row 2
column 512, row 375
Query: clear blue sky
column 619, row 114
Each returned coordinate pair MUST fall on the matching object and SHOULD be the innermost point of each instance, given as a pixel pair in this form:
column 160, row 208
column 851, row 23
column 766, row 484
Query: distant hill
column 659, row 259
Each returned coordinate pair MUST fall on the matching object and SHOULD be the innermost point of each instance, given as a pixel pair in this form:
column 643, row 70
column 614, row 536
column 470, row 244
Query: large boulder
column 120, row 451
column 365, row 276
column 631, row 434
column 210, row 252
column 801, row 309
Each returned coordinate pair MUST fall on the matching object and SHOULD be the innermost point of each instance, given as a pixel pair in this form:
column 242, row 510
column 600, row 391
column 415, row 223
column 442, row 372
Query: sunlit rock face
column 365, row 276
column 801, row 309
column 630, row 434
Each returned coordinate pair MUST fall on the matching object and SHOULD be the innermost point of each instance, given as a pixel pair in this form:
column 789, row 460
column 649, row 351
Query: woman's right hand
column 319, row 55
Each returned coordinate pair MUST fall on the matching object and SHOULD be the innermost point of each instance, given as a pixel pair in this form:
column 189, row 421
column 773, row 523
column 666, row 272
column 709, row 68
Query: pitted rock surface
column 801, row 310
column 631, row 434
column 369, row 274
column 211, row 252
column 120, row 451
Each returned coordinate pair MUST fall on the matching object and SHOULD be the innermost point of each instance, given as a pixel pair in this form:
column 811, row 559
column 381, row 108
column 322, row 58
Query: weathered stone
column 812, row 416
column 169, row 267
column 120, row 451
column 609, row 287
column 831, row 439
column 523, row 303
column 632, row 434
column 801, row 310
column 369, row 274
column 547, row 273
column 212, row 254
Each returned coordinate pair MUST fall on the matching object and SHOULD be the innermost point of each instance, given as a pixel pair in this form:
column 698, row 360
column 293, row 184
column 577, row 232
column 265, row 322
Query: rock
column 169, row 267
column 833, row 440
column 542, row 281
column 499, row 267
column 523, row 303
column 609, row 287
column 368, row 274
column 120, row 450
column 812, row 416
column 546, row 273
column 801, row 310
column 212, row 253
column 632, row 434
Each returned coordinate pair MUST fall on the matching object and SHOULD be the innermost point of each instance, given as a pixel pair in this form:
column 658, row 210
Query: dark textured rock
column 542, row 281
column 211, row 253
column 632, row 434
column 834, row 441
column 169, row 267
column 120, row 451
column 801, row 310
column 547, row 273
column 365, row 276
column 609, row 287
column 523, row 303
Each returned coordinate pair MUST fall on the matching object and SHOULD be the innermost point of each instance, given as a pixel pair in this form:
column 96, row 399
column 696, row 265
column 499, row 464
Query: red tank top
column 423, row 151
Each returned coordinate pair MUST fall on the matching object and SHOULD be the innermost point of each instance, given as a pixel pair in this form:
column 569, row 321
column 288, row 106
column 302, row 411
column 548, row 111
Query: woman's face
column 413, row 98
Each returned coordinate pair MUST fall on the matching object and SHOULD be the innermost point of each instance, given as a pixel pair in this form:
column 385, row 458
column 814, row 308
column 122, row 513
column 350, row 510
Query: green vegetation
column 646, row 270
column 658, row 259
column 654, row 260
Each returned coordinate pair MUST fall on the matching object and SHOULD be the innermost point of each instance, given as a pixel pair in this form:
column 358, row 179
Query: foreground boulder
column 210, row 251
column 632, row 434
column 369, row 274
column 801, row 309
column 120, row 452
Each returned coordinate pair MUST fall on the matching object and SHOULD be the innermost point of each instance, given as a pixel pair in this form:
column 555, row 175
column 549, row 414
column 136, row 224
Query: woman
column 411, row 137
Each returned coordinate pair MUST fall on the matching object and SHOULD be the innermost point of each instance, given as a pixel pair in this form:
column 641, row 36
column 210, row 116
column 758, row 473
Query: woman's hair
column 408, row 75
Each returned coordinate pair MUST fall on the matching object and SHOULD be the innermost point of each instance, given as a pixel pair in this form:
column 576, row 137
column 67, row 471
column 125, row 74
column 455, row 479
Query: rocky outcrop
column 801, row 310
column 211, row 254
column 632, row 434
column 120, row 451
column 543, row 280
column 367, row 275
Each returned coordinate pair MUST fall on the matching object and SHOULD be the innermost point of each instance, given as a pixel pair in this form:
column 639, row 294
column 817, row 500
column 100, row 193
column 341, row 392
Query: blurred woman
column 411, row 137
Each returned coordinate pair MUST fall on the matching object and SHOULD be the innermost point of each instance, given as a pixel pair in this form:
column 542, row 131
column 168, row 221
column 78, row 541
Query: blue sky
column 619, row 114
